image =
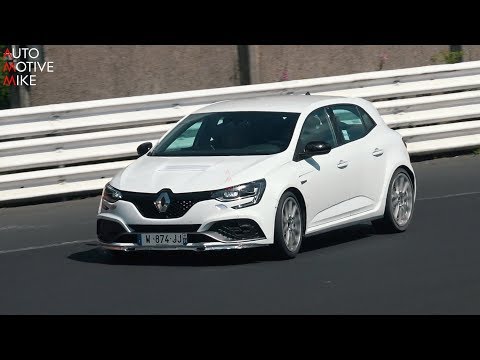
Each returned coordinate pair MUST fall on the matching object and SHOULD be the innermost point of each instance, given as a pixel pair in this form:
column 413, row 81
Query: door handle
column 342, row 164
column 377, row 152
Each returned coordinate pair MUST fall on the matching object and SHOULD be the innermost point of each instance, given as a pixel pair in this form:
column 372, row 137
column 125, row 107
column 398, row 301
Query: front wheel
column 288, row 232
column 399, row 205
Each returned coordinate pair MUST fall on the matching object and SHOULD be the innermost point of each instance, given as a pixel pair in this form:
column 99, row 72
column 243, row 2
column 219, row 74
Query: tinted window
column 229, row 133
column 317, row 127
column 367, row 120
column 349, row 122
column 186, row 139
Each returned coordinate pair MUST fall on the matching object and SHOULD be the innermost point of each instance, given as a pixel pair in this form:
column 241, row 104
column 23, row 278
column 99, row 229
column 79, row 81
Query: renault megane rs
column 265, row 171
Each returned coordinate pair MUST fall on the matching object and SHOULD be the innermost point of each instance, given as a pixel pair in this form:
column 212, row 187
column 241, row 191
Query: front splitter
column 188, row 247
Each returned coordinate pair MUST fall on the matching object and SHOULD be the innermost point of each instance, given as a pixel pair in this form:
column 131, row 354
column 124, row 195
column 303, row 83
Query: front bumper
column 197, row 241
column 197, row 223
column 200, row 223
column 189, row 247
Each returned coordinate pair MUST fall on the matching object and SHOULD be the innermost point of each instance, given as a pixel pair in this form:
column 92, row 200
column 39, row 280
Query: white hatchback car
column 261, row 171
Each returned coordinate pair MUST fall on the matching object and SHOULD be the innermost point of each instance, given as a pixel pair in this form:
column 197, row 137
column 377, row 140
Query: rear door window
column 349, row 121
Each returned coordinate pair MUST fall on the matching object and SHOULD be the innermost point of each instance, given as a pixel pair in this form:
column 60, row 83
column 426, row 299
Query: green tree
column 447, row 57
column 4, row 102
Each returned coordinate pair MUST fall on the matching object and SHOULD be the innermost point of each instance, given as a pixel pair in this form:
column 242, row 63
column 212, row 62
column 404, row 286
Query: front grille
column 165, row 228
column 239, row 229
column 179, row 203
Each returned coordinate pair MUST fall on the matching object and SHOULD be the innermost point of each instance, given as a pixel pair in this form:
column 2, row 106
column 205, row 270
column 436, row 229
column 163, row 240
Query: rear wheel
column 288, row 232
column 399, row 205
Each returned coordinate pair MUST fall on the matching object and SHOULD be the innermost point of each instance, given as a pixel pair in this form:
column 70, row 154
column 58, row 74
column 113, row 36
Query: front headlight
column 111, row 194
column 252, row 190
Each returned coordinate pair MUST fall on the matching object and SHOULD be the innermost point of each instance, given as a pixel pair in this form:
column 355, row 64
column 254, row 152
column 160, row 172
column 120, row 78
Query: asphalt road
column 432, row 268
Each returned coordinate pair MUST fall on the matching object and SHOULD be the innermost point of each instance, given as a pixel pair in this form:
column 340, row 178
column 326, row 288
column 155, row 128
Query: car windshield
column 229, row 133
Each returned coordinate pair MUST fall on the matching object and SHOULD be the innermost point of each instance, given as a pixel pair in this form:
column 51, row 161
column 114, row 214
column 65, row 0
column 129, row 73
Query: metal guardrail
column 77, row 147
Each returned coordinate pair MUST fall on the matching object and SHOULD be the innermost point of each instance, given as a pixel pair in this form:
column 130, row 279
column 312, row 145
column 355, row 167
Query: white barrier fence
column 77, row 147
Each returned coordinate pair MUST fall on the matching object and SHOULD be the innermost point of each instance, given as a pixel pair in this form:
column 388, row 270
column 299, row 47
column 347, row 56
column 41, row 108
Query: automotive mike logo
column 22, row 72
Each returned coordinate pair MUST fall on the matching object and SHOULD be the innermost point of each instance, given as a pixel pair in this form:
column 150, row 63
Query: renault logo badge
column 162, row 202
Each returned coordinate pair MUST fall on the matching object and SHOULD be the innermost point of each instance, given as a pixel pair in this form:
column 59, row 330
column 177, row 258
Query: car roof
column 280, row 103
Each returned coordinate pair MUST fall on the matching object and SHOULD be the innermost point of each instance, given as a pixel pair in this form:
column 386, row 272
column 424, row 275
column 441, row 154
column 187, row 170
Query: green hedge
column 4, row 103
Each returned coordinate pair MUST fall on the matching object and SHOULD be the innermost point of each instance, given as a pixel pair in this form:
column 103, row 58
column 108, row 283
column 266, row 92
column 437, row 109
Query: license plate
column 163, row 239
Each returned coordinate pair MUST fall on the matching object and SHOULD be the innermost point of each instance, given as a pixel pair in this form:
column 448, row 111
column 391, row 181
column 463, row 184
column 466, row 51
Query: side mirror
column 142, row 149
column 315, row 148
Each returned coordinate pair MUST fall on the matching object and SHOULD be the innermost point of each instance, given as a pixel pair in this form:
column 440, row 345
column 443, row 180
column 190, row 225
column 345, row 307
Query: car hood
column 151, row 174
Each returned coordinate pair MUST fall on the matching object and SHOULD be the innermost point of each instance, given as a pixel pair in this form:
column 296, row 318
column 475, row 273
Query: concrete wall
column 99, row 72
column 272, row 63
column 471, row 52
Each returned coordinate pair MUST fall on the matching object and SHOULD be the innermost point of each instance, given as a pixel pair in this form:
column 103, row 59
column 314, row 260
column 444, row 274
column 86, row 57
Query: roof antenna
column 307, row 93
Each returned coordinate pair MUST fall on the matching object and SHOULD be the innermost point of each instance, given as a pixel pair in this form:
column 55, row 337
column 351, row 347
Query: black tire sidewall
column 278, row 231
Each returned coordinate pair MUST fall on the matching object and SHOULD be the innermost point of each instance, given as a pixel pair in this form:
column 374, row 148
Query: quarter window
column 367, row 120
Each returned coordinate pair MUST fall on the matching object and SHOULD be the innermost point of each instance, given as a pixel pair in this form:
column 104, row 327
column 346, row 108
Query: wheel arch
column 411, row 174
column 303, row 205
column 388, row 178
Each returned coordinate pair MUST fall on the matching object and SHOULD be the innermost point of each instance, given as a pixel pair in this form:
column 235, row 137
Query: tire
column 289, row 216
column 396, row 218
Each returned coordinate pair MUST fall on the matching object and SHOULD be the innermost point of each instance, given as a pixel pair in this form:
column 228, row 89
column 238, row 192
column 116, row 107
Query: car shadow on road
column 219, row 258
column 337, row 237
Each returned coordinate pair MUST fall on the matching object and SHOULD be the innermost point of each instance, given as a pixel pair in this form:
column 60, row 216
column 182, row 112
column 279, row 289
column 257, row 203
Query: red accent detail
column 8, row 54
column 8, row 80
column 9, row 66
